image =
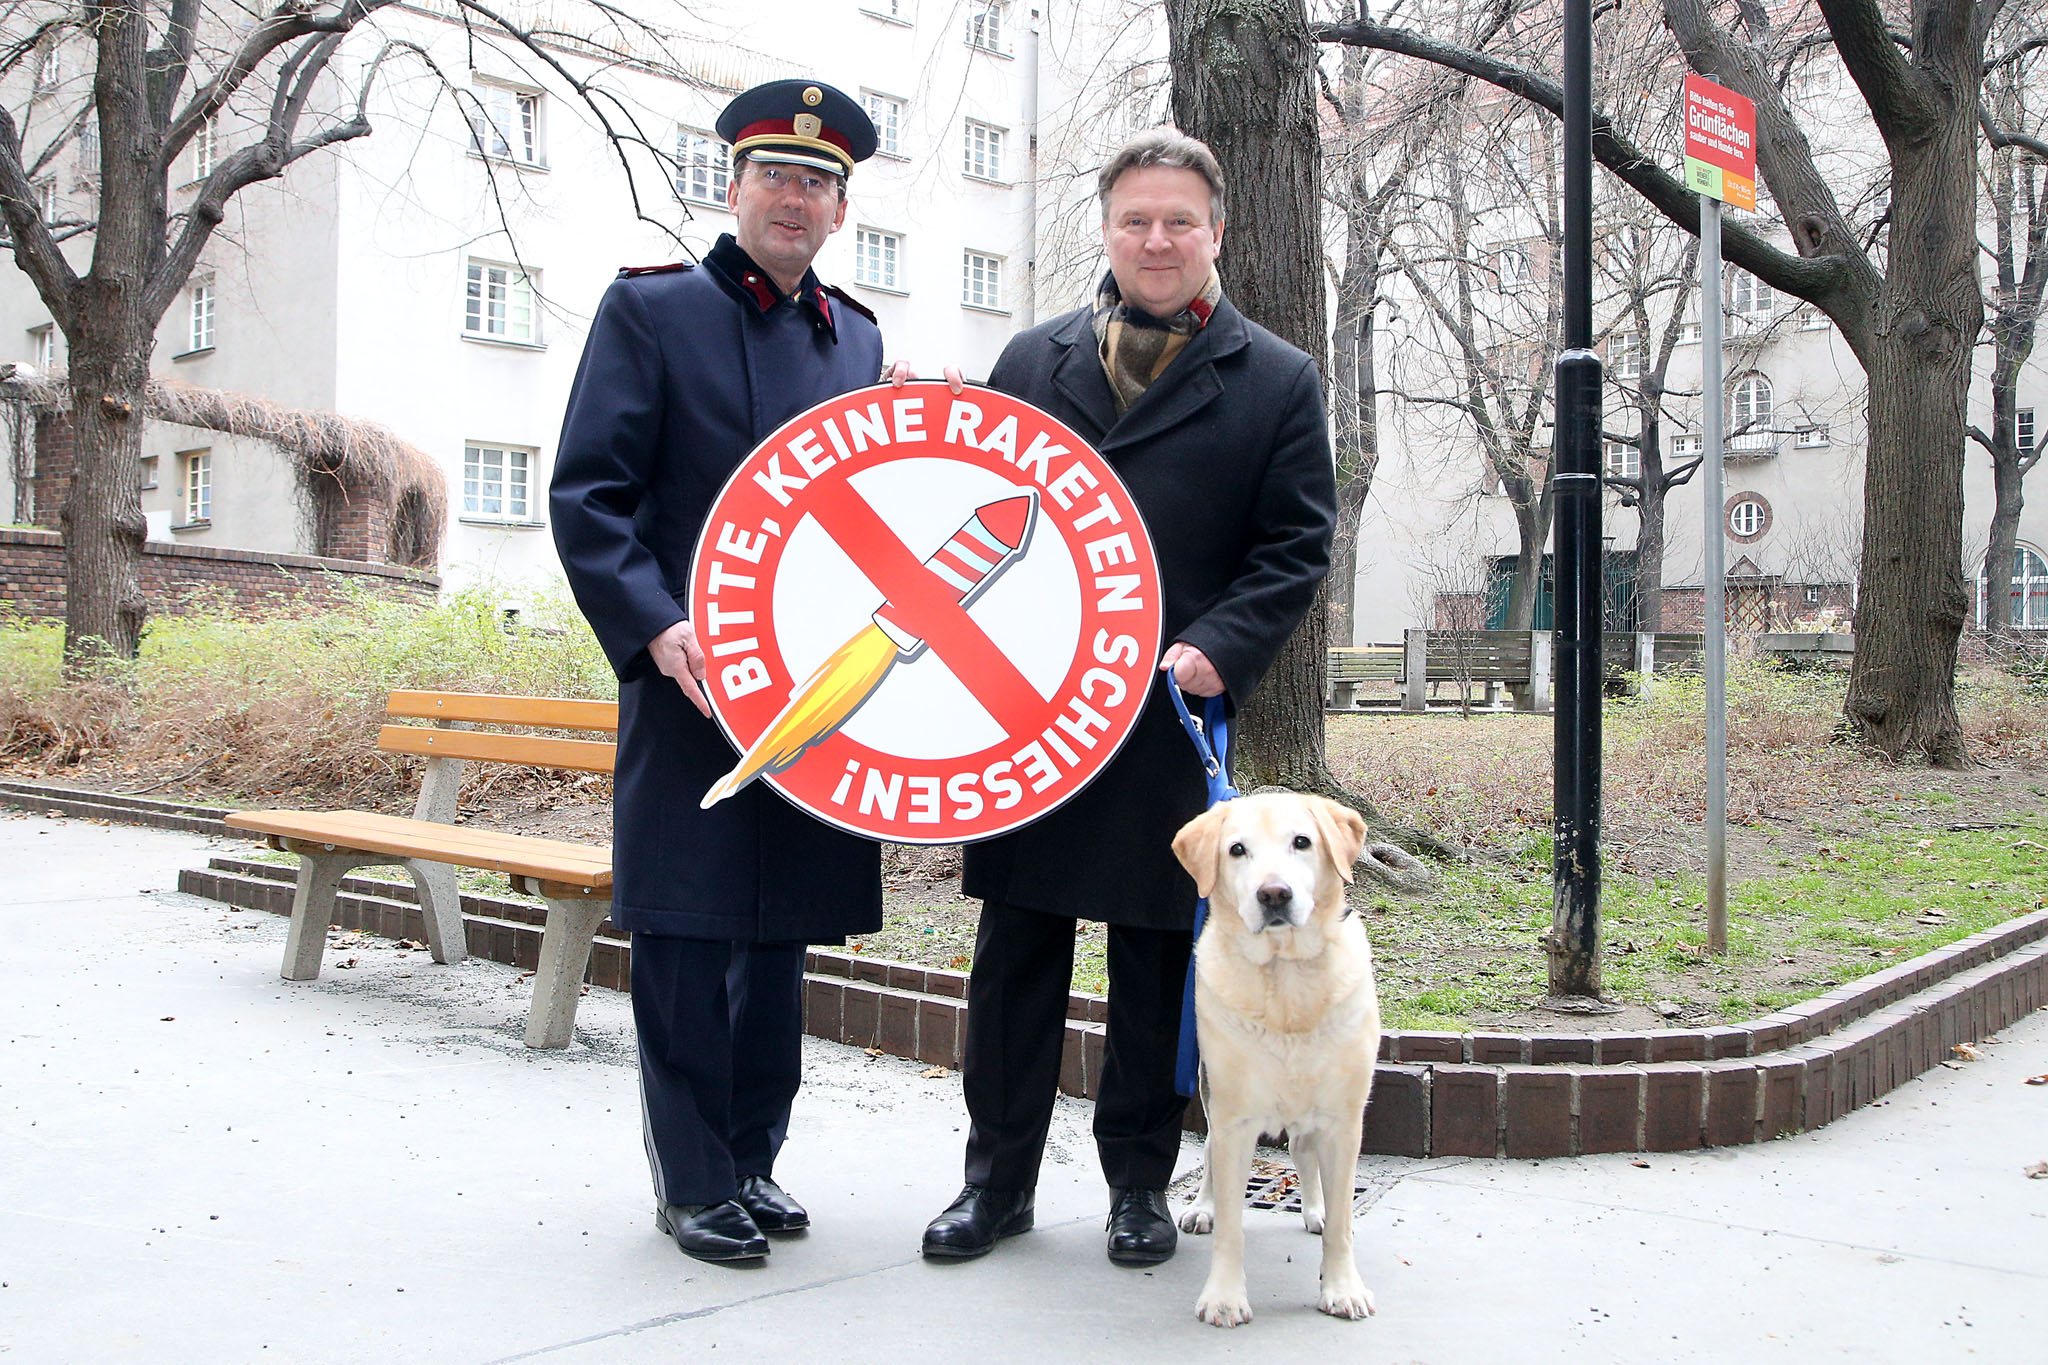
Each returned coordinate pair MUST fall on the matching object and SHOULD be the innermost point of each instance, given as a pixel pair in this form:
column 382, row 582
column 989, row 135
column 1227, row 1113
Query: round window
column 1749, row 516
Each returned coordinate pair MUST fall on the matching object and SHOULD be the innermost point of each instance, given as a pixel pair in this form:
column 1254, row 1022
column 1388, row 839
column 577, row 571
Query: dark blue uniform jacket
column 686, row 371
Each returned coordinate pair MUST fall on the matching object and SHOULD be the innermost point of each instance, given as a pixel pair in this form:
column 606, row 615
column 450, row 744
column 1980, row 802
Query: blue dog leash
column 1212, row 730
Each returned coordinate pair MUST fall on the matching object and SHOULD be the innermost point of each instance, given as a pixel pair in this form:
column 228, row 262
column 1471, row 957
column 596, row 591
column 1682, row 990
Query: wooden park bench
column 575, row 880
column 1353, row 667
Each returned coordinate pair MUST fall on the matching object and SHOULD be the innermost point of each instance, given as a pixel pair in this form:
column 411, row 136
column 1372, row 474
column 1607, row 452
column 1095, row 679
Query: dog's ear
column 1343, row 831
column 1195, row 846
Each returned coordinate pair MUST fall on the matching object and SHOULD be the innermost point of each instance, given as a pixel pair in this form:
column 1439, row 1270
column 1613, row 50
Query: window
column 981, row 280
column 495, row 480
column 42, row 347
column 205, row 149
column 1811, row 319
column 985, row 26
column 1688, row 334
column 1625, row 355
column 1750, row 297
column 51, row 72
column 886, row 111
column 46, row 200
column 1748, row 516
column 199, row 333
column 1749, row 414
column 875, row 257
column 984, row 151
column 1512, row 266
column 703, row 167
column 1624, row 460
column 2023, row 429
column 1812, row 438
column 498, row 304
column 506, row 123
column 1814, row 593
column 2029, row 588
column 89, row 147
column 148, row 472
column 195, row 486
column 1688, row 445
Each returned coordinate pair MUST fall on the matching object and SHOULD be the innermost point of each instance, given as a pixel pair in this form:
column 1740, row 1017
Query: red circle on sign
column 926, row 618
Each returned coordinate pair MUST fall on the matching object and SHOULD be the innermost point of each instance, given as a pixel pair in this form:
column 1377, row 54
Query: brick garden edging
column 1437, row 1094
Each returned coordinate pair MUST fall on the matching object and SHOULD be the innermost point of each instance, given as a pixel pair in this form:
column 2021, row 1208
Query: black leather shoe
column 712, row 1232
column 772, row 1210
column 977, row 1220
column 1141, row 1232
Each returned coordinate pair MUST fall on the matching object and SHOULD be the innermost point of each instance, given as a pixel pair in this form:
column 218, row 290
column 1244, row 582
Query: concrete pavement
column 202, row 1162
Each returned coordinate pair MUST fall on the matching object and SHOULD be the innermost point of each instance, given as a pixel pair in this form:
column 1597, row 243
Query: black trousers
column 1016, row 1021
column 720, row 1028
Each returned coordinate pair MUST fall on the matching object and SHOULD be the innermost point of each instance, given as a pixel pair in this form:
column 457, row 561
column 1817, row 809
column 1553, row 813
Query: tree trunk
column 1650, row 543
column 101, row 517
column 1243, row 82
column 2005, row 534
column 1911, row 603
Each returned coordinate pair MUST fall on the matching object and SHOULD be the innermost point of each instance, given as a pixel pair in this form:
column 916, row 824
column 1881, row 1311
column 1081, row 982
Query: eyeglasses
column 778, row 179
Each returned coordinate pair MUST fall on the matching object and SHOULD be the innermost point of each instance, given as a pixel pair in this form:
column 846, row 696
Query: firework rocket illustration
column 973, row 557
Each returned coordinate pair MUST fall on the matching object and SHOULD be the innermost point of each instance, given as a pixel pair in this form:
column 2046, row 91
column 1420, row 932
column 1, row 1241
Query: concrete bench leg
column 441, row 907
column 320, row 876
column 564, row 956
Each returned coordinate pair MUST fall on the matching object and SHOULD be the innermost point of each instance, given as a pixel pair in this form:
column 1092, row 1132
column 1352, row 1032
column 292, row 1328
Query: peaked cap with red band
column 801, row 123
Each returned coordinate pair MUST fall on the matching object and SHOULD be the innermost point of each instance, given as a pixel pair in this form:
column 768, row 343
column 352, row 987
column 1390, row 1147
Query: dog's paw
column 1223, row 1307
column 1198, row 1219
column 1348, row 1298
column 1312, row 1218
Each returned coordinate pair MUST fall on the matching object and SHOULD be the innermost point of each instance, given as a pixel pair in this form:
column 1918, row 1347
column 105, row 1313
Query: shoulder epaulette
column 627, row 272
column 851, row 302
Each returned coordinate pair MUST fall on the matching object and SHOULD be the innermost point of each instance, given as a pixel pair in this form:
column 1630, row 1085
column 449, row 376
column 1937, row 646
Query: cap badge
column 813, row 95
column 808, row 125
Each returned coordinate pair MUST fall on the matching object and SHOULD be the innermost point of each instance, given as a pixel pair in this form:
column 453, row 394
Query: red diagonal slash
column 928, row 607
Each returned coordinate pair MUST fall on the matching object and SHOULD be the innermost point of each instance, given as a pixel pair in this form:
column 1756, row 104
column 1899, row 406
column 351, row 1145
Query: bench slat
column 558, row 713
column 541, row 751
column 551, row 860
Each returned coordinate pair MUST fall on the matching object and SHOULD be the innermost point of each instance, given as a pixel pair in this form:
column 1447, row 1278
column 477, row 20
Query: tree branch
column 35, row 247
column 1899, row 99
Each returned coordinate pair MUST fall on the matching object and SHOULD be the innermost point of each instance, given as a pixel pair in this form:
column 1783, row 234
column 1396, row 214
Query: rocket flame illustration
column 973, row 557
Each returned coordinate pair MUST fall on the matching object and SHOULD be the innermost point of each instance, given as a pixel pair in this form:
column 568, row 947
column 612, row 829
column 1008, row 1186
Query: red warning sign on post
column 926, row 618
column 1720, row 143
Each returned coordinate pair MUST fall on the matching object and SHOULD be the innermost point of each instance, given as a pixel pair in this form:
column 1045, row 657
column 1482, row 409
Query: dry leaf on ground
column 935, row 1073
column 2038, row 1170
column 2041, row 1079
column 1967, row 1053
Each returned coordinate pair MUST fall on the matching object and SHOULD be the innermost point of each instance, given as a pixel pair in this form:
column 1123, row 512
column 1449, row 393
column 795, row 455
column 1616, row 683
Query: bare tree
column 1911, row 312
column 153, row 76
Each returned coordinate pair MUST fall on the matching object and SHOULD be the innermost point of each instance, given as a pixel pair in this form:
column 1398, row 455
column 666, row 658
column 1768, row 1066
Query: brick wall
column 32, row 576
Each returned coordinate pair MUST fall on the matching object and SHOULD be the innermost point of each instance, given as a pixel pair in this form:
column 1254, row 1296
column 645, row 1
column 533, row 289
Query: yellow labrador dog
column 1289, row 1024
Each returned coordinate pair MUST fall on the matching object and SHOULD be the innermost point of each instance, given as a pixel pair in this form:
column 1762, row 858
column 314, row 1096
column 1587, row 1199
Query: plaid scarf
column 1136, row 347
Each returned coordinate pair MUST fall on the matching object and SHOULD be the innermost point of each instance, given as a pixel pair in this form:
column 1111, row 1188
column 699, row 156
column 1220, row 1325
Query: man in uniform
column 1217, row 428
column 686, row 370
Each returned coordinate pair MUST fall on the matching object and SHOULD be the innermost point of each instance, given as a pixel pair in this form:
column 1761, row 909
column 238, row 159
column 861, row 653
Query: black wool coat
column 685, row 372
column 1228, row 458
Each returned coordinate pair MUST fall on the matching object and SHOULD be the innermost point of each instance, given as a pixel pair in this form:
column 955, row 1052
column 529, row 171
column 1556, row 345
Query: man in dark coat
column 686, row 370
column 1217, row 428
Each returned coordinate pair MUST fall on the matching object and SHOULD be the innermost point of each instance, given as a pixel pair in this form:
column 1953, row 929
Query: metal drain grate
column 1276, row 1185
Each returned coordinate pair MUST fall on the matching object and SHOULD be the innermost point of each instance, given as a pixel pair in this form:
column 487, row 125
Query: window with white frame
column 1749, row 413
column 497, row 481
column 1812, row 438
column 886, row 113
column 89, row 147
column 2023, row 429
column 1811, row 319
column 985, row 25
column 205, row 148
column 1625, row 355
column 46, row 200
column 50, row 72
column 498, row 303
column 195, row 486
column 1624, row 460
column 199, row 316
column 1749, row 297
column 1512, row 266
column 1814, row 593
column 1748, row 515
column 1688, row 445
column 981, row 280
column 42, row 347
column 505, row 121
column 703, row 167
column 876, row 256
column 2028, row 586
column 1688, row 334
column 984, row 151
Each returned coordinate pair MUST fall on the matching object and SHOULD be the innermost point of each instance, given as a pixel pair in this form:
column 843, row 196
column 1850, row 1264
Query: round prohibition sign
column 927, row 618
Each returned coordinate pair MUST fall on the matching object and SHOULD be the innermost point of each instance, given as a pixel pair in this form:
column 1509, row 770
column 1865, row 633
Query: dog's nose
column 1274, row 899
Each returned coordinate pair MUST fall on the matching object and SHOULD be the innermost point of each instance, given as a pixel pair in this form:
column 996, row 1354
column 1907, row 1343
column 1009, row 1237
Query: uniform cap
column 802, row 123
